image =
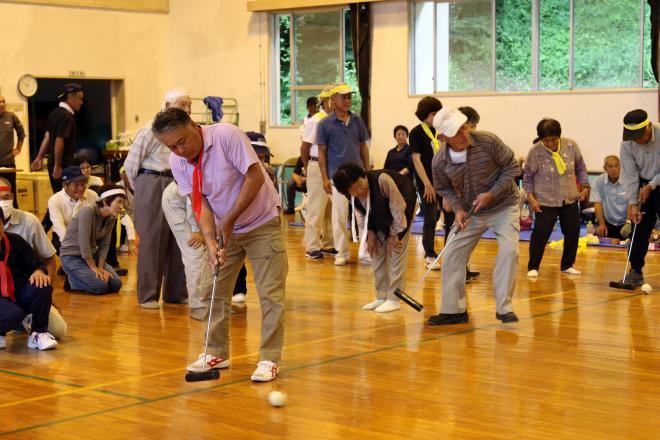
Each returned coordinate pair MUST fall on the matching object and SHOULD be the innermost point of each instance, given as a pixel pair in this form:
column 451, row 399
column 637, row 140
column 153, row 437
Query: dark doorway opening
column 94, row 120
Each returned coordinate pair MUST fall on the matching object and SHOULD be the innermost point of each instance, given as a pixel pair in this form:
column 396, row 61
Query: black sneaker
column 330, row 251
column 471, row 276
column 449, row 318
column 507, row 317
column 634, row 278
column 121, row 271
column 314, row 255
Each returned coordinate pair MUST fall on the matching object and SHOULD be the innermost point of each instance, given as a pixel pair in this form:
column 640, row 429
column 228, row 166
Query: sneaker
column 533, row 273
column 3, row 342
column 27, row 323
column 388, row 306
column 314, row 255
column 571, row 271
column 212, row 363
column 364, row 260
column 635, row 278
column 120, row 270
column 330, row 251
column 373, row 304
column 507, row 317
column 449, row 318
column 341, row 261
column 238, row 298
column 42, row 341
column 265, row 372
column 432, row 264
column 123, row 249
column 149, row 305
column 471, row 276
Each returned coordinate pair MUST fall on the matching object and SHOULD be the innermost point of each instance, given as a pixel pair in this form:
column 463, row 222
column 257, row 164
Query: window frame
column 535, row 56
column 275, row 89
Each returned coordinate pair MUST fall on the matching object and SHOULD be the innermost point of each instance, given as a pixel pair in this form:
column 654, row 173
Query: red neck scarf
column 6, row 279
column 198, row 176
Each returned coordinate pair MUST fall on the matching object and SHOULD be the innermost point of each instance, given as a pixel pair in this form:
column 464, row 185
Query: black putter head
column 194, row 376
column 408, row 300
column 621, row 285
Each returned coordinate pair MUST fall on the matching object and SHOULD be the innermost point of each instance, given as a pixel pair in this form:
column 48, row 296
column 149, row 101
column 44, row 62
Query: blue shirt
column 613, row 197
column 342, row 140
column 640, row 162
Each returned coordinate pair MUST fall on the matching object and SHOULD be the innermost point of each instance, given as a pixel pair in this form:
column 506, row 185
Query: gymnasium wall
column 50, row 41
column 218, row 48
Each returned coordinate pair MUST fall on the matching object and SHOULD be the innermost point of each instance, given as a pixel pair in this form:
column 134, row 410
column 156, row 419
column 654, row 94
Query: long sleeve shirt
column 146, row 152
column 22, row 261
column 88, row 234
column 490, row 166
column 62, row 208
column 397, row 204
column 541, row 177
column 9, row 123
column 640, row 162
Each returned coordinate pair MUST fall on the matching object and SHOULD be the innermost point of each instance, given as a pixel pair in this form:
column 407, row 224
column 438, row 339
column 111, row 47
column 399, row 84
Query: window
column 529, row 45
column 312, row 50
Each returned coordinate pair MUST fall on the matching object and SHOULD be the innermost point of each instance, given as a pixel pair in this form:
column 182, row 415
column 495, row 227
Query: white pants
column 318, row 221
column 339, row 231
column 199, row 278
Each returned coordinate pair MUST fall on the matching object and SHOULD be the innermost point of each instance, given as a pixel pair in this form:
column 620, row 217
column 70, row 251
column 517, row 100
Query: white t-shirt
column 458, row 156
column 309, row 132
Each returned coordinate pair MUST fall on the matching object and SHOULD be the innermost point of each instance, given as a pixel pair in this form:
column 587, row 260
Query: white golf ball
column 646, row 289
column 276, row 398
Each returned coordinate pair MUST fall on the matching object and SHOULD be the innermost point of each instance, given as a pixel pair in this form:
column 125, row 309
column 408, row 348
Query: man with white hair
column 483, row 180
column 148, row 171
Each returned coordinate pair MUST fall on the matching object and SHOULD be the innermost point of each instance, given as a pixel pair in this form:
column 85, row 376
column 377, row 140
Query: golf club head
column 408, row 300
column 194, row 376
column 621, row 285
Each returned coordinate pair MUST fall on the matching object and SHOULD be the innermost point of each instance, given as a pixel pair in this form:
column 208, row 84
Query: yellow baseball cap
column 326, row 93
column 342, row 89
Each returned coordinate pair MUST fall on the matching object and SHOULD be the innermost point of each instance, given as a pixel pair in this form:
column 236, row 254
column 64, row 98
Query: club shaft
column 632, row 240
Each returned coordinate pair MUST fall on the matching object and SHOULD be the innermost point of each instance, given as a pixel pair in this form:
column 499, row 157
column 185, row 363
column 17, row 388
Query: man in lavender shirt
column 235, row 202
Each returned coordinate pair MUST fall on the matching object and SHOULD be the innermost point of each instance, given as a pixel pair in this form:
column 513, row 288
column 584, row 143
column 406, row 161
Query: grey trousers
column 159, row 259
column 199, row 277
column 264, row 246
column 506, row 225
column 389, row 268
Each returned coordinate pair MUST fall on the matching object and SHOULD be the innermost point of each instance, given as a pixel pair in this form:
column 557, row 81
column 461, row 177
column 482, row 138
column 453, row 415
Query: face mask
column 7, row 208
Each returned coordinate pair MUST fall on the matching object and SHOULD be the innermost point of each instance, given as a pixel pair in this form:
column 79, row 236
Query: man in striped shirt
column 476, row 169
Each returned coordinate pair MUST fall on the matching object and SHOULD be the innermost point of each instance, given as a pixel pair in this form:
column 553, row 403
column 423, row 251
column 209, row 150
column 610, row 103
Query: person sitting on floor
column 611, row 202
column 85, row 245
column 86, row 168
column 24, row 288
column 388, row 201
column 28, row 226
column 298, row 183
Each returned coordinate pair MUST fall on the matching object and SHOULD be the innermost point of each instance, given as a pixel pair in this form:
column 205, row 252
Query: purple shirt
column 227, row 157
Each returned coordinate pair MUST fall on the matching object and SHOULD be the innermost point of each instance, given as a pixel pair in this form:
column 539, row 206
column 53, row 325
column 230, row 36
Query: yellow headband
column 637, row 126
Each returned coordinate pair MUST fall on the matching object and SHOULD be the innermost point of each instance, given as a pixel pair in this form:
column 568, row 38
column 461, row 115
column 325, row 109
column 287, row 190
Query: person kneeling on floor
column 24, row 288
column 87, row 240
column 388, row 200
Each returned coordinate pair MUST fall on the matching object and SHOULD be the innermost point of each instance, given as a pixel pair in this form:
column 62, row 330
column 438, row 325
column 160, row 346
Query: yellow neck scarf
column 436, row 143
column 559, row 161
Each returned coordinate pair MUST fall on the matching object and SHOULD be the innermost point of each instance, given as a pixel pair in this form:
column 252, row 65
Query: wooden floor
column 582, row 363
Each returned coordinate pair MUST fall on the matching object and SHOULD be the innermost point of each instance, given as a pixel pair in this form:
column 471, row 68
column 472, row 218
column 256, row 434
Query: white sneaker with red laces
column 212, row 363
column 42, row 341
column 265, row 372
